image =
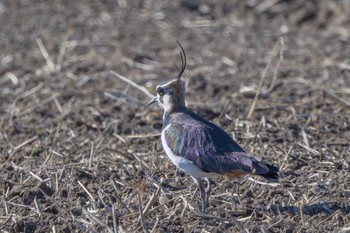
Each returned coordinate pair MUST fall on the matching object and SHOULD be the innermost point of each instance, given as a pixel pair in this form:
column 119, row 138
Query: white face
column 165, row 97
column 168, row 95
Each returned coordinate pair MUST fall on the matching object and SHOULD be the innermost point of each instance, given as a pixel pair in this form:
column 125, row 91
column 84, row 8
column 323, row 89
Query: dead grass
column 80, row 150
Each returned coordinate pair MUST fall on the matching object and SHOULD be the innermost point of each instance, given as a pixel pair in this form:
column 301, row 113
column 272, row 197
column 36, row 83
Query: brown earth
column 80, row 151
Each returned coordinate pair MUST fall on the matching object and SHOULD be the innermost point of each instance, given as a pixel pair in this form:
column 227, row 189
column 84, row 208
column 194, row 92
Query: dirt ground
column 80, row 151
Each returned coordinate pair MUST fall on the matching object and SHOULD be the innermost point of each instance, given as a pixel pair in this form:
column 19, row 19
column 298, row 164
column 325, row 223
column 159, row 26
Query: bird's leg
column 202, row 193
column 207, row 190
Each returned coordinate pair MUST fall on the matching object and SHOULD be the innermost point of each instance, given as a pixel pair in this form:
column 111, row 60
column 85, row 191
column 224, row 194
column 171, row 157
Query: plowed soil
column 80, row 151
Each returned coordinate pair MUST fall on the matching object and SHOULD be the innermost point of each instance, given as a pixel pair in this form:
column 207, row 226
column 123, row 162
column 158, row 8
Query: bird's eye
column 160, row 91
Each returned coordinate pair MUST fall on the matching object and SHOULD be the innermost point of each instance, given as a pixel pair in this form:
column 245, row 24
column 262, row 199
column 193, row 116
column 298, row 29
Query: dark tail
column 249, row 164
column 267, row 171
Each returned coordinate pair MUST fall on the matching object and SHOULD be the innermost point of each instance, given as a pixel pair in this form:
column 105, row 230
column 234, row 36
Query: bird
column 198, row 147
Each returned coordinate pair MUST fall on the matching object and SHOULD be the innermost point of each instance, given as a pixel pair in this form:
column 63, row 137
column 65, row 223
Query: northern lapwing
column 198, row 147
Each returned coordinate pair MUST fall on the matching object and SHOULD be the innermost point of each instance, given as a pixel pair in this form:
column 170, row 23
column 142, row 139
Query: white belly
column 184, row 164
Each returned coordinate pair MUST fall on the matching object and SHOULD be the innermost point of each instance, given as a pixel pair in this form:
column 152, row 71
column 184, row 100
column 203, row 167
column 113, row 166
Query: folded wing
column 213, row 150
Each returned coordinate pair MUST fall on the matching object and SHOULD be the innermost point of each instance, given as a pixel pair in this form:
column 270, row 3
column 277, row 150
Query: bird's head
column 171, row 94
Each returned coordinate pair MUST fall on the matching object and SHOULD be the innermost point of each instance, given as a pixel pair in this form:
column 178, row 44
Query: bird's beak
column 152, row 101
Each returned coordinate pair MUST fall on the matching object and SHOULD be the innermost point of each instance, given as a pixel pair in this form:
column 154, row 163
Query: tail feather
column 243, row 163
column 268, row 171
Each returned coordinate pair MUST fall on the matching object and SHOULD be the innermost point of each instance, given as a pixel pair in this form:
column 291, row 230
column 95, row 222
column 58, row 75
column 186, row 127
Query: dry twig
column 28, row 110
column 313, row 151
column 91, row 155
column 97, row 220
column 142, row 217
column 46, row 55
column 343, row 103
column 87, row 191
column 253, row 106
column 132, row 83
column 263, row 183
column 151, row 201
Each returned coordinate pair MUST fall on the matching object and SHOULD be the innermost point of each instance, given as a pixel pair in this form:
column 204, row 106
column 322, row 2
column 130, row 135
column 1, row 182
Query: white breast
column 184, row 164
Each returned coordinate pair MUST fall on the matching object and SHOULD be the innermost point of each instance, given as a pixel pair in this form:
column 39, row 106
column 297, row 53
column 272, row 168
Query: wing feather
column 208, row 148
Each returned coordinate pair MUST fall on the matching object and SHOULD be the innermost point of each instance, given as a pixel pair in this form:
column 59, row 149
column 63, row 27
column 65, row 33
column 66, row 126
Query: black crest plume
column 183, row 60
